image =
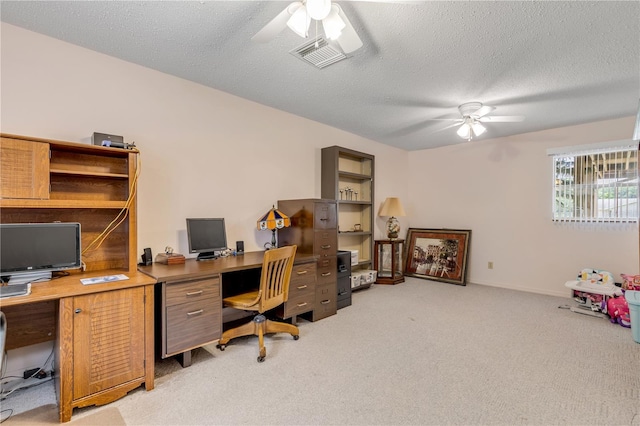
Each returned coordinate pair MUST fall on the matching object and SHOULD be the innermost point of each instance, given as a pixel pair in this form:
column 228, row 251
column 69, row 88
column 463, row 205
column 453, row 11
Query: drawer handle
column 325, row 247
column 301, row 272
column 326, row 274
column 302, row 304
column 324, row 302
column 324, row 218
column 302, row 287
column 198, row 312
column 194, row 293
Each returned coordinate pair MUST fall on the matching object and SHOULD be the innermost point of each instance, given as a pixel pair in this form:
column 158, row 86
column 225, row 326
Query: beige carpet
column 419, row 353
column 48, row 415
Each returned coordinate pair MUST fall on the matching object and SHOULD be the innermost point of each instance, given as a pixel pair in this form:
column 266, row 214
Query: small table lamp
column 274, row 219
column 392, row 208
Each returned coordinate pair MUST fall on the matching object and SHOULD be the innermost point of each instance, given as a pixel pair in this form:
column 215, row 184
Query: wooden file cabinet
column 190, row 316
column 314, row 229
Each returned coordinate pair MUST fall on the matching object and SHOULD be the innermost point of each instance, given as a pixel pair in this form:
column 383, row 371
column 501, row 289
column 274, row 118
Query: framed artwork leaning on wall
column 438, row 254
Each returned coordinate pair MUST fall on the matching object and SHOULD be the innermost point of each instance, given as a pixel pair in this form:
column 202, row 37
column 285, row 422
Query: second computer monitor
column 207, row 237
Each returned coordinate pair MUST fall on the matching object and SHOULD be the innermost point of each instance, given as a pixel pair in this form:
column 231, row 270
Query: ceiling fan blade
column 502, row 119
column 484, row 110
column 449, row 126
column 277, row 24
column 348, row 40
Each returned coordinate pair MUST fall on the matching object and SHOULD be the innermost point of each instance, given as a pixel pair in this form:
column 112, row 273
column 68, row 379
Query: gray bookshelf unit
column 348, row 178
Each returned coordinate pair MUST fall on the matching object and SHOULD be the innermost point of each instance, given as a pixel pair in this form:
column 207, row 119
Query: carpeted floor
column 421, row 352
column 48, row 415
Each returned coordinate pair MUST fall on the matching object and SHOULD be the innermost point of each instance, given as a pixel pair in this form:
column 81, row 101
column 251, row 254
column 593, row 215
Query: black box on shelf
column 104, row 139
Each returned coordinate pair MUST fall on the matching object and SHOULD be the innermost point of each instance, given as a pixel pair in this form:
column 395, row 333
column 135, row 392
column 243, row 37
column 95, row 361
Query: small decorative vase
column 393, row 228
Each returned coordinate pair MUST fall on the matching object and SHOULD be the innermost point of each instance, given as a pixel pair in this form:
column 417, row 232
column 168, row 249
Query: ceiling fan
column 298, row 15
column 473, row 115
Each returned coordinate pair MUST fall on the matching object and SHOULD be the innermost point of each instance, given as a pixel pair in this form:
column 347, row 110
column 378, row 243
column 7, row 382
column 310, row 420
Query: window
column 596, row 184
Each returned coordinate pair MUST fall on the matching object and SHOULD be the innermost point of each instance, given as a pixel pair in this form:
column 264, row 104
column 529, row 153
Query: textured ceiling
column 557, row 63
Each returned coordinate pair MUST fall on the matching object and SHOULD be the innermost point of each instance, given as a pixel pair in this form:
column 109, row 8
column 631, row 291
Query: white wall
column 205, row 153
column 501, row 190
column 208, row 153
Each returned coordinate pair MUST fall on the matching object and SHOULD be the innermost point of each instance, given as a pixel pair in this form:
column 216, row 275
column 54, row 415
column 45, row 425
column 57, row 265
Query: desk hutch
column 103, row 332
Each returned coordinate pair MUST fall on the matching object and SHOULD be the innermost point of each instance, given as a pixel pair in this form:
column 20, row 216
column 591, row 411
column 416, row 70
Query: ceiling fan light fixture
column 464, row 131
column 318, row 9
column 299, row 22
column 478, row 128
column 333, row 24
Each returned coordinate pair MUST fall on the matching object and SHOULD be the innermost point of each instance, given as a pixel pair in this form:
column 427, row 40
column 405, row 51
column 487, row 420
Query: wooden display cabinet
column 388, row 262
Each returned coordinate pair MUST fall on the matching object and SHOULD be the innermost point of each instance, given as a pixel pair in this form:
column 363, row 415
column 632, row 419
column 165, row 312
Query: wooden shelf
column 355, row 176
column 364, row 202
column 91, row 174
column 60, row 204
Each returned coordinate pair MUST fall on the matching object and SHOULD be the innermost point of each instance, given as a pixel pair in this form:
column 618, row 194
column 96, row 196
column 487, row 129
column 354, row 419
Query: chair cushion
column 245, row 301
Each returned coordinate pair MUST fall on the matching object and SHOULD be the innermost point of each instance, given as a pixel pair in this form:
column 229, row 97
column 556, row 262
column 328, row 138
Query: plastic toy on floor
column 592, row 290
column 630, row 282
column 618, row 311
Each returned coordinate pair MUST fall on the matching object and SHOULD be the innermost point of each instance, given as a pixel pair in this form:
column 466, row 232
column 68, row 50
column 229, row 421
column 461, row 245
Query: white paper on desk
column 105, row 279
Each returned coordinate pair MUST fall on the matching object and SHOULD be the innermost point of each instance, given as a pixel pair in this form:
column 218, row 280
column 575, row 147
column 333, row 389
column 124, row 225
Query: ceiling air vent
column 318, row 52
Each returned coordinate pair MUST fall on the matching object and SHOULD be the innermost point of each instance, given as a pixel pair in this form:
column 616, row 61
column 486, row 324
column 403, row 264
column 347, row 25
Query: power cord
column 122, row 214
column 37, row 372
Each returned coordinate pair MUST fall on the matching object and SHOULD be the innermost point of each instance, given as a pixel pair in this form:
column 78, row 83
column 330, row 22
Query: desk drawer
column 326, row 301
column 193, row 324
column 302, row 290
column 299, row 305
column 325, row 215
column 325, row 243
column 301, row 298
column 304, row 273
column 327, row 270
column 191, row 290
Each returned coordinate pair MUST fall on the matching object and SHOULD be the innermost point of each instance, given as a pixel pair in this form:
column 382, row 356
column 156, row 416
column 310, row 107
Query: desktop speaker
column 239, row 247
column 147, row 258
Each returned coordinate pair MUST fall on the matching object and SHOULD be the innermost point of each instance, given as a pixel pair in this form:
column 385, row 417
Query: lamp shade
column 274, row 219
column 392, row 207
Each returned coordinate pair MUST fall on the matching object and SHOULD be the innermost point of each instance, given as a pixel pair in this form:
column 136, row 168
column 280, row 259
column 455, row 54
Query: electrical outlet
column 490, row 265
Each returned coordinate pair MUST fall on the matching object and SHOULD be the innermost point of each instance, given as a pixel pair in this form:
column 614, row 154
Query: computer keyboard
column 13, row 290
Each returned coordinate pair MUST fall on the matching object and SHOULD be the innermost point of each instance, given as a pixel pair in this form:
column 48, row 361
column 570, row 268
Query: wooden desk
column 83, row 320
column 189, row 311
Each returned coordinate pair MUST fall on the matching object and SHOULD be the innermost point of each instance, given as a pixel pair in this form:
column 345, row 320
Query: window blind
column 596, row 183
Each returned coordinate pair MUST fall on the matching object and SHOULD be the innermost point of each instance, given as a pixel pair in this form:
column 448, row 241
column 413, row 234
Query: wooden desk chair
column 273, row 292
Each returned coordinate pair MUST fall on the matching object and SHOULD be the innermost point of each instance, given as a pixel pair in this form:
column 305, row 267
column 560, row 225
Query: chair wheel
column 221, row 347
column 296, row 337
column 261, row 359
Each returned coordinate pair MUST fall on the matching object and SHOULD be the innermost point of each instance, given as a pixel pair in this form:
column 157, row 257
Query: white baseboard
column 561, row 292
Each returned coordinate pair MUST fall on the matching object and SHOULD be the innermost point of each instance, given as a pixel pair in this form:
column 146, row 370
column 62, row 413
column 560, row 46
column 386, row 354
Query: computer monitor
column 30, row 252
column 207, row 237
